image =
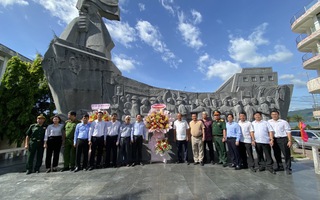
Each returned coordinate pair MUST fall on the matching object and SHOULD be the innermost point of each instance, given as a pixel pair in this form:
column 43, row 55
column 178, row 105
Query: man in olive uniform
column 219, row 137
column 34, row 144
column 69, row 154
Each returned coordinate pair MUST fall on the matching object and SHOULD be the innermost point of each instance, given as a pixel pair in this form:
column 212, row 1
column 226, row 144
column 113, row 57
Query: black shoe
column 288, row 172
column 271, row 170
column 48, row 171
column 28, row 172
column 232, row 165
column 196, row 163
column 220, row 163
column 141, row 164
column 85, row 169
column 212, row 162
column 76, row 169
column 65, row 169
column 224, row 165
column 202, row 163
column 261, row 169
column 37, row 171
column 54, row 169
column 72, row 169
column 133, row 164
column 188, row 163
column 237, row 167
column 91, row 168
column 278, row 169
column 253, row 169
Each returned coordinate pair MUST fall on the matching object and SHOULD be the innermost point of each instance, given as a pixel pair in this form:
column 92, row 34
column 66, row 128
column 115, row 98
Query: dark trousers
column 97, row 144
column 82, row 148
column 53, row 147
column 111, row 145
column 266, row 150
column 211, row 152
column 233, row 151
column 182, row 150
column 35, row 148
column 137, row 149
column 245, row 150
column 124, row 150
column 280, row 145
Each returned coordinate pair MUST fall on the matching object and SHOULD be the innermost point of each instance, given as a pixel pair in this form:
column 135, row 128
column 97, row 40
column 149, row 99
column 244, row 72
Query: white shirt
column 53, row 131
column 281, row 127
column 181, row 129
column 113, row 128
column 98, row 129
column 246, row 128
column 261, row 131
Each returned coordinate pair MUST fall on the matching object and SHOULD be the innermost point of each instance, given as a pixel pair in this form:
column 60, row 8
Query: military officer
column 69, row 153
column 219, row 137
column 34, row 144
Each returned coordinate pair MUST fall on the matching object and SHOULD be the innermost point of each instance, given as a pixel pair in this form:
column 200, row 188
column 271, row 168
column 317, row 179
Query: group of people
column 80, row 138
column 239, row 137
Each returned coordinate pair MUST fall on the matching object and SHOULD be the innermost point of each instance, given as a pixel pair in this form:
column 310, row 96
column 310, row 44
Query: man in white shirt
column 181, row 137
column 282, row 141
column 113, row 130
column 263, row 141
column 97, row 139
column 245, row 146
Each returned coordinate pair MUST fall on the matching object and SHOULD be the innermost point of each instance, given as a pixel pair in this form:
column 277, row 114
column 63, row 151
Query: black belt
column 97, row 136
column 82, row 139
column 125, row 137
column 137, row 136
column 231, row 137
column 197, row 136
column 281, row 137
column 112, row 136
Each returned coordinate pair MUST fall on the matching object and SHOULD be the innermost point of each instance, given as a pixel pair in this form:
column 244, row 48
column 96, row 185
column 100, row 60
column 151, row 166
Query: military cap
column 41, row 116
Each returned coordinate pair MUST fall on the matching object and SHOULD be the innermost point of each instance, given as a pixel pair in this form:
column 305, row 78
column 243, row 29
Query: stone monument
column 80, row 72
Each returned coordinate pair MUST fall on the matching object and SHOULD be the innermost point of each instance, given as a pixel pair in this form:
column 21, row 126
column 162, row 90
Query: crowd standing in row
column 84, row 141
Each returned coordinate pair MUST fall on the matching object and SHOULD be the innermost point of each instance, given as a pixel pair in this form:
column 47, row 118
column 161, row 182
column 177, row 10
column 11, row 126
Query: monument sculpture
column 80, row 72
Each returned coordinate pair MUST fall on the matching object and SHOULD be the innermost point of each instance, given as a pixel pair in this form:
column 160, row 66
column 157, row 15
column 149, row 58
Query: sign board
column 100, row 106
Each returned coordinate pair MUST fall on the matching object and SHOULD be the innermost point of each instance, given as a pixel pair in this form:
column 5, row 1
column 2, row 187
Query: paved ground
column 159, row 181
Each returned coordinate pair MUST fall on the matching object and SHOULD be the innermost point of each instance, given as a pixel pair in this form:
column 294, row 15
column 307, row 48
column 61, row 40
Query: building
column 5, row 54
column 306, row 22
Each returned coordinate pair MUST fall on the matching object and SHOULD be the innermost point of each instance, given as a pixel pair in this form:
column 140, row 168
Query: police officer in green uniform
column 219, row 137
column 34, row 144
column 69, row 154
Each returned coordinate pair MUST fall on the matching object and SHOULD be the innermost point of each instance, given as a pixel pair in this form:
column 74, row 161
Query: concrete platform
column 160, row 181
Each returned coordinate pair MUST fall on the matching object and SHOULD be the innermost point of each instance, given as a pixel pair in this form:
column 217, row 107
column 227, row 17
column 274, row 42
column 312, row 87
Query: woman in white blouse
column 53, row 140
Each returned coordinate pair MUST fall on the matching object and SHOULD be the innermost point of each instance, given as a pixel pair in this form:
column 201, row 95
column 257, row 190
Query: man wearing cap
column 219, row 137
column 34, row 144
column 69, row 154
column 197, row 138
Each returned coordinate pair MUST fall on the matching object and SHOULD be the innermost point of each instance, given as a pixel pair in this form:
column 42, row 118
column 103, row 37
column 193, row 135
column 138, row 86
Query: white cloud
column 12, row 2
column 222, row 69
column 293, row 80
column 122, row 32
column 125, row 63
column 203, row 62
column 197, row 17
column 167, row 4
column 246, row 50
column 151, row 36
column 189, row 32
column 142, row 6
column 64, row 10
column 219, row 21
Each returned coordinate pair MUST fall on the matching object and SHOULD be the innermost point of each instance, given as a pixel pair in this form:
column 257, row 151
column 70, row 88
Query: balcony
column 311, row 61
column 302, row 20
column 306, row 43
column 314, row 86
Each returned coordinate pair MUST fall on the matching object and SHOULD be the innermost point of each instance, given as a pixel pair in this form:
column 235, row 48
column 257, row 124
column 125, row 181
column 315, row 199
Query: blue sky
column 177, row 44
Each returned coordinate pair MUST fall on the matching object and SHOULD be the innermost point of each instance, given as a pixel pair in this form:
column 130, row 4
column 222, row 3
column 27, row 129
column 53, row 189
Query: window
column 254, row 79
column 270, row 78
column 295, row 133
column 245, row 79
column 262, row 79
column 310, row 134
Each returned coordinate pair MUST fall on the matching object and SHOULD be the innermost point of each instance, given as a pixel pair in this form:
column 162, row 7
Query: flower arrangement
column 158, row 120
column 94, row 115
column 162, row 146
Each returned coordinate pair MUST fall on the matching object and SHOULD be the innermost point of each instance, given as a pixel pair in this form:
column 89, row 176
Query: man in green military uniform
column 219, row 137
column 34, row 144
column 69, row 154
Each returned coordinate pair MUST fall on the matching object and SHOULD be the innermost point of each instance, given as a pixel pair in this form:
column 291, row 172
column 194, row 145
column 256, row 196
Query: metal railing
column 300, row 38
column 302, row 11
column 308, row 56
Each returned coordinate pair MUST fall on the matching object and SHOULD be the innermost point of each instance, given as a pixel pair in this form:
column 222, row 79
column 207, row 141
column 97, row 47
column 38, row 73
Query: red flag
column 304, row 135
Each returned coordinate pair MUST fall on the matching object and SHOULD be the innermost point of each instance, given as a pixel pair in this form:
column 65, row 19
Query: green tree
column 25, row 93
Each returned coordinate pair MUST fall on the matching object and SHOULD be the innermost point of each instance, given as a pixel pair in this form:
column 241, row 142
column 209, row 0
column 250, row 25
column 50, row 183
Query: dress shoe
column 237, row 167
column 72, row 169
column 141, row 164
column 196, row 163
column 202, row 163
column 133, row 164
column 271, row 170
column 212, row 162
column 76, row 169
column 91, row 168
column 188, row 163
column 28, row 172
column 288, row 172
column 261, row 169
column 37, row 171
column 48, row 171
column 224, row 165
column 253, row 169
column 85, row 169
column 232, row 165
column 278, row 169
column 54, row 169
column 65, row 169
